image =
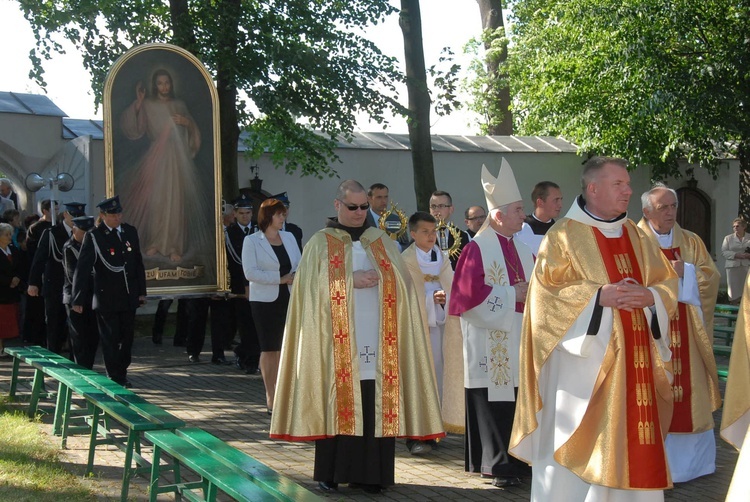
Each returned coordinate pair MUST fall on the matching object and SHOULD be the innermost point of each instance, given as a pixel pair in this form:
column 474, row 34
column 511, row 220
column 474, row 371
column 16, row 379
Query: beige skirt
column 736, row 281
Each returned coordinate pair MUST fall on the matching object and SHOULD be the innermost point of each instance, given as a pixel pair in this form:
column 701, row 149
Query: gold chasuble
column 594, row 398
column 452, row 405
column 695, row 383
column 318, row 393
column 735, row 417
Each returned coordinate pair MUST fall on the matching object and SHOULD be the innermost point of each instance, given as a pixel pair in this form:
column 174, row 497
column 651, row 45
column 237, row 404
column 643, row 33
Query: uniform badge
column 112, row 251
column 127, row 245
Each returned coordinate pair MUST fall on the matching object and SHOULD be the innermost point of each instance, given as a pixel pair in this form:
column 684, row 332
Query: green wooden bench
column 724, row 331
column 107, row 405
column 220, row 466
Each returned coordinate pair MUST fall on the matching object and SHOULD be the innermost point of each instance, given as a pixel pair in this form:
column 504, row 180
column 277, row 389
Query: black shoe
column 420, row 448
column 194, row 358
column 500, row 482
column 328, row 486
column 156, row 339
column 220, row 360
column 127, row 384
column 253, row 371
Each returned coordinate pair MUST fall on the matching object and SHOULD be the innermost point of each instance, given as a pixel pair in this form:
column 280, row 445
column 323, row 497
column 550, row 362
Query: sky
column 444, row 23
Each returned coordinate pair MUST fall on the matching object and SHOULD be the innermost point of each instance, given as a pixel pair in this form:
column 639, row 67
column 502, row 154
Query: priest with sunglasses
column 356, row 370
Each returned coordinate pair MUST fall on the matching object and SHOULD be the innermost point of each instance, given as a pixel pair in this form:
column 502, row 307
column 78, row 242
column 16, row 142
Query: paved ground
column 231, row 405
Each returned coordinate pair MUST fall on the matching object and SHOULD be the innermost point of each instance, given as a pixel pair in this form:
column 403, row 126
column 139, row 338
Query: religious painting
column 161, row 134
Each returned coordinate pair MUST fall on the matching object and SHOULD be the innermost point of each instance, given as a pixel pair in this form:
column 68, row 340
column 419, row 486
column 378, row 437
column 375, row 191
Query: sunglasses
column 354, row 207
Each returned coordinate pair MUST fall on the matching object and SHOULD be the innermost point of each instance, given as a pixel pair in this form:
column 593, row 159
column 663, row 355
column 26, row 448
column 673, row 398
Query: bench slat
column 261, row 473
column 231, row 481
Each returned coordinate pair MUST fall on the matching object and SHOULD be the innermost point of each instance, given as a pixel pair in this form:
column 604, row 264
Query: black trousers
column 116, row 335
column 56, row 317
column 160, row 319
column 84, row 336
column 34, row 328
column 248, row 351
column 357, row 459
column 197, row 316
column 488, row 428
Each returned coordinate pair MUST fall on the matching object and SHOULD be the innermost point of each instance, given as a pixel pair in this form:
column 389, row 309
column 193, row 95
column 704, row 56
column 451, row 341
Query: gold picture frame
column 162, row 157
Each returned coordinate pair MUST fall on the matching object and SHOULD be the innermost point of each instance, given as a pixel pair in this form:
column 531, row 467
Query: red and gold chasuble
column 682, row 419
column 646, row 458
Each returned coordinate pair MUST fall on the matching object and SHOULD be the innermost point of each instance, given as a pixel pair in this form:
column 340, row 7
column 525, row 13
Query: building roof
column 29, row 104
column 73, row 128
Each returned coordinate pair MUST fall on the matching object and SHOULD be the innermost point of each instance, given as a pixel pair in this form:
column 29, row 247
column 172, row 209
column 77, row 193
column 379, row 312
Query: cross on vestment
column 367, row 354
column 494, row 303
column 483, row 364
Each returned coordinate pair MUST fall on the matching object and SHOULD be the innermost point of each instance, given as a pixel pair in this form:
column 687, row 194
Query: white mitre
column 501, row 190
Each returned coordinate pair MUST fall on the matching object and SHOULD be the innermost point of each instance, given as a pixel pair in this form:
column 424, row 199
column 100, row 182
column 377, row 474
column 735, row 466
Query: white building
column 36, row 136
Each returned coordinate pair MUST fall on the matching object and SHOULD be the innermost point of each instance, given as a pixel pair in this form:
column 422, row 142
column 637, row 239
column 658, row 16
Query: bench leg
column 153, row 490
column 36, row 390
column 132, row 441
column 14, row 378
column 177, row 479
column 61, row 409
column 92, row 442
column 211, row 492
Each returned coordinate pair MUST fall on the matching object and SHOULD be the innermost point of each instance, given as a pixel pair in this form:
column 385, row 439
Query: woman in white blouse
column 270, row 258
column 736, row 251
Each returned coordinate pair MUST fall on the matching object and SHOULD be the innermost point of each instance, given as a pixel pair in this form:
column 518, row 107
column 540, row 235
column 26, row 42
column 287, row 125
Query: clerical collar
column 582, row 203
column 665, row 240
column 425, row 258
column 354, row 232
column 551, row 220
column 578, row 212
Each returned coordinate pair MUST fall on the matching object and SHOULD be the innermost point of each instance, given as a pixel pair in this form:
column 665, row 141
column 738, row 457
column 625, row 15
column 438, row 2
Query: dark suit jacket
column 8, row 270
column 113, row 291
column 36, row 230
column 46, row 268
column 71, row 250
column 295, row 231
column 237, row 281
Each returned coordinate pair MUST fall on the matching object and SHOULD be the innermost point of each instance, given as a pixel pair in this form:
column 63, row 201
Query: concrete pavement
column 231, row 405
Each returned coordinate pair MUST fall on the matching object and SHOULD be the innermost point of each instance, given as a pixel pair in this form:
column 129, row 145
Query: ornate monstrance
column 394, row 222
column 455, row 249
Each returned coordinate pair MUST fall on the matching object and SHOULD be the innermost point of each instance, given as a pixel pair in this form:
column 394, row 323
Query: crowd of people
column 574, row 353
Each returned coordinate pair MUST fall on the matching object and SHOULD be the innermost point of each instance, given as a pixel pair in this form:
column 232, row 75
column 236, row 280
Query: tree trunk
column 229, row 131
column 410, row 20
column 743, row 153
column 182, row 27
column 492, row 19
column 226, row 86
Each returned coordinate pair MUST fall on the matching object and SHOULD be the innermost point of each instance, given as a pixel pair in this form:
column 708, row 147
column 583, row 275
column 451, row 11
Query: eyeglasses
column 354, row 207
column 481, row 218
column 440, row 206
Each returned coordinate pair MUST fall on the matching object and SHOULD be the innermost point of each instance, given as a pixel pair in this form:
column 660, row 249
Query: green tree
column 650, row 80
column 299, row 63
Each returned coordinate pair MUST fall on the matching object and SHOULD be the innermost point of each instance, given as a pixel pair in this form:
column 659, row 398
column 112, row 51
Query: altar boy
column 432, row 274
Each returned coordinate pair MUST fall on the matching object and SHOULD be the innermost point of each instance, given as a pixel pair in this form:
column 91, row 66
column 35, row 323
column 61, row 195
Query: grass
column 30, row 467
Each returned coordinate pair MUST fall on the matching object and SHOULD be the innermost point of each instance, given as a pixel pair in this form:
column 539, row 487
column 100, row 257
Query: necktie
column 433, row 256
column 247, row 230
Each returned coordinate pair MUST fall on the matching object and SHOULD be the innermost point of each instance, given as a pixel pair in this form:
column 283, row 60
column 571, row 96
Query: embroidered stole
column 342, row 338
column 496, row 273
column 682, row 418
column 646, row 462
